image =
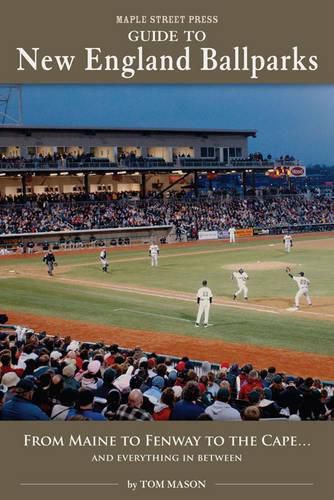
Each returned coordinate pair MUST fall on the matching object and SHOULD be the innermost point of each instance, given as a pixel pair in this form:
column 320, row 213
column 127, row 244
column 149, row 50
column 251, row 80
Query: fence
column 215, row 367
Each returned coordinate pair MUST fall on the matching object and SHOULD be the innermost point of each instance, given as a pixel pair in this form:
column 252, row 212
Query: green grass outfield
column 182, row 270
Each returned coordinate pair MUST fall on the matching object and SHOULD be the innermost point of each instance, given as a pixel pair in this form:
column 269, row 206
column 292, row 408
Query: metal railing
column 215, row 367
column 135, row 164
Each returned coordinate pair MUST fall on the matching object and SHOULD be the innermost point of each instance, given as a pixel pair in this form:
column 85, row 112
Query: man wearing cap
column 104, row 260
column 50, row 261
column 221, row 409
column 303, row 284
column 204, row 301
column 21, row 406
column 9, row 380
column 241, row 278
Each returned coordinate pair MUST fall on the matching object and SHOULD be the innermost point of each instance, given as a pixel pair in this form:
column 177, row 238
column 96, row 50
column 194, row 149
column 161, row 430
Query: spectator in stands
column 133, row 409
column 251, row 413
column 85, row 406
column 310, row 408
column 268, row 408
column 221, row 409
column 164, row 408
column 290, row 398
column 9, row 381
column 68, row 376
column 188, row 408
column 21, row 407
column 277, row 387
column 253, row 382
column 67, row 401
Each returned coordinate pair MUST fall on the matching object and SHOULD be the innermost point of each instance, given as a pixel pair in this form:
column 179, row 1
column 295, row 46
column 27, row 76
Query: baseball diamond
column 163, row 281
column 132, row 298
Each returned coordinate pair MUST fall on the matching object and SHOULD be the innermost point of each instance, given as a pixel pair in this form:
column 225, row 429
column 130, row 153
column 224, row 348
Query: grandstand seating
column 44, row 377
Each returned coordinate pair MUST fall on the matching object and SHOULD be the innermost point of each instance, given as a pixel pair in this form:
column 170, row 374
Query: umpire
column 50, row 261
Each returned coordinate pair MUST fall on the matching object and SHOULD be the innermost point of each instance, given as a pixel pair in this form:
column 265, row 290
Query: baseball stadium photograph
column 166, row 252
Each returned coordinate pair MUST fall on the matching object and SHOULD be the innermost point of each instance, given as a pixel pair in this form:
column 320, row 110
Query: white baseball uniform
column 231, row 232
column 204, row 299
column 303, row 289
column 241, row 279
column 154, row 252
column 287, row 242
column 104, row 261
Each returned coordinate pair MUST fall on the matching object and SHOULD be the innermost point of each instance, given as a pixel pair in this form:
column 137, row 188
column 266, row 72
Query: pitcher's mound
column 259, row 266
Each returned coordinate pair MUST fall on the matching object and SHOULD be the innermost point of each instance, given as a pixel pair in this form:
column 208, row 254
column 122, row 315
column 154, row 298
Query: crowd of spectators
column 52, row 378
column 49, row 158
column 193, row 215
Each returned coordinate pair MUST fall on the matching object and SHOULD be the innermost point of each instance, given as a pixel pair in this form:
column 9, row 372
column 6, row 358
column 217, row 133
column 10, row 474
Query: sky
column 289, row 119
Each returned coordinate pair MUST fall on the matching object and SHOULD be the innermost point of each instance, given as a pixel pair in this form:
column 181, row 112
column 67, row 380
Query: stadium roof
column 144, row 130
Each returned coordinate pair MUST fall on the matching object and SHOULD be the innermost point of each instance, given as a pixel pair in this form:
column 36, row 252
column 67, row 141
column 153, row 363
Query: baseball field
column 135, row 304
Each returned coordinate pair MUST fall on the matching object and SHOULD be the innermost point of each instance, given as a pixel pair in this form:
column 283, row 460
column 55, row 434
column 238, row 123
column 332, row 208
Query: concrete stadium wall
column 140, row 235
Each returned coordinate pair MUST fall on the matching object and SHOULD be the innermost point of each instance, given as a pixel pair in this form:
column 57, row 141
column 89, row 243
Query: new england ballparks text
column 238, row 59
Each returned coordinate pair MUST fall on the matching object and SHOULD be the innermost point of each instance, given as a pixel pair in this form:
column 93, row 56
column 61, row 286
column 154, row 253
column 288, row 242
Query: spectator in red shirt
column 163, row 409
column 6, row 365
column 252, row 383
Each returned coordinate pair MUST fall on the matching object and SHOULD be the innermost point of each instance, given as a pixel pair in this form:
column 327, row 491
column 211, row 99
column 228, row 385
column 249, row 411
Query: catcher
column 303, row 287
column 50, row 261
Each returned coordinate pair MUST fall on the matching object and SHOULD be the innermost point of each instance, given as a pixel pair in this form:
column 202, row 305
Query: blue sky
column 296, row 120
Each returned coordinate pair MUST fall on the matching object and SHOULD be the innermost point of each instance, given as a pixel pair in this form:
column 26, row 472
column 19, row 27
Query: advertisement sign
column 208, row 235
column 298, row 171
column 244, row 233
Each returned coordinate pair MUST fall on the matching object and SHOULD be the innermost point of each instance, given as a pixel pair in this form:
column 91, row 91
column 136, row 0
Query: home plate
column 12, row 271
column 294, row 309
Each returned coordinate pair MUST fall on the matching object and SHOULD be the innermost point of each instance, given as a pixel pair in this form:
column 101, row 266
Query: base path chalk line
column 173, row 295
column 168, row 294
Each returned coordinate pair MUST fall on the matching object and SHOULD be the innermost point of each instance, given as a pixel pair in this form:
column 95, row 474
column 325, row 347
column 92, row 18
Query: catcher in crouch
column 303, row 284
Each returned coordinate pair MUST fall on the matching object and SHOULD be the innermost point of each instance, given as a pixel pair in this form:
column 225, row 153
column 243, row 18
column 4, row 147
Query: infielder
column 204, row 300
column 287, row 240
column 103, row 260
column 241, row 278
column 303, row 287
column 154, row 252
column 50, row 261
column 231, row 232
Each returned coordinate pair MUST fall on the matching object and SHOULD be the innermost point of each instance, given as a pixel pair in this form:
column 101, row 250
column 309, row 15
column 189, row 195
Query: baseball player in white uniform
column 303, row 287
column 287, row 240
column 104, row 260
column 241, row 278
column 204, row 300
column 154, row 251
column 231, row 232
